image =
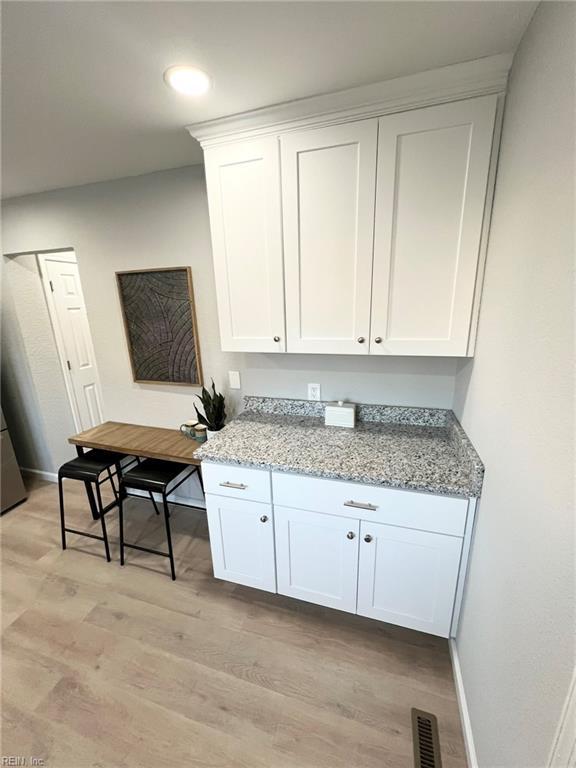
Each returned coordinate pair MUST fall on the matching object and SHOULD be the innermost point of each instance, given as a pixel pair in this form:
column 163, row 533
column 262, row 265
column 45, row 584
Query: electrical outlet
column 234, row 379
column 313, row 391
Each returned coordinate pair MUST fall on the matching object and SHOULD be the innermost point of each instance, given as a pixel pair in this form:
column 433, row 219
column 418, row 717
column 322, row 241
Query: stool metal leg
column 200, row 478
column 121, row 521
column 154, row 502
column 89, row 490
column 103, row 522
column 62, row 521
column 168, row 536
column 111, row 479
column 121, row 488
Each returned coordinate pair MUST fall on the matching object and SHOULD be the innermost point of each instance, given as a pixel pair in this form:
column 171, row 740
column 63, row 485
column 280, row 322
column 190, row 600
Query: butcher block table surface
column 137, row 440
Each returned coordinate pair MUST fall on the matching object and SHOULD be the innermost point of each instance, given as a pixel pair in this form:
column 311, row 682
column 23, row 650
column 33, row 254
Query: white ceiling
column 83, row 98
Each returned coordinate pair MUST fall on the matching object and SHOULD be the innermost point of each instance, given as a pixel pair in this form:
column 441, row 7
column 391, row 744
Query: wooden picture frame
column 160, row 324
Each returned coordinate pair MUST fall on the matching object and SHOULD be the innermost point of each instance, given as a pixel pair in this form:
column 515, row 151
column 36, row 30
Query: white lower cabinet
column 408, row 577
column 317, row 557
column 242, row 541
column 391, row 555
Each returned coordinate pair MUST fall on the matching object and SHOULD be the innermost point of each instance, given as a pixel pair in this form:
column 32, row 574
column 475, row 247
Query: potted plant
column 214, row 414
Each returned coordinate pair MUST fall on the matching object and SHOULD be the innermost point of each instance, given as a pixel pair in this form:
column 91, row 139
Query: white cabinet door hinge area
column 243, row 181
column 317, row 557
column 242, row 541
column 431, row 189
column 328, row 183
column 408, row 577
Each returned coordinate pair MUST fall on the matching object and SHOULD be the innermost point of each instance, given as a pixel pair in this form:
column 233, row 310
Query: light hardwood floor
column 109, row 666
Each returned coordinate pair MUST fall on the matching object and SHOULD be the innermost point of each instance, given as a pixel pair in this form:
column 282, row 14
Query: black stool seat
column 153, row 475
column 88, row 466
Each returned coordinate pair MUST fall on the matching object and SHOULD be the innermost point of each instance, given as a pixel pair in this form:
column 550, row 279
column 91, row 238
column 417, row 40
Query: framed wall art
column 160, row 324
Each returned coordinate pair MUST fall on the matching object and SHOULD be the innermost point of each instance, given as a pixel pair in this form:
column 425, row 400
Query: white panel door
column 431, row 189
column 328, row 183
column 317, row 557
column 242, row 541
column 72, row 332
column 408, row 577
column 243, row 181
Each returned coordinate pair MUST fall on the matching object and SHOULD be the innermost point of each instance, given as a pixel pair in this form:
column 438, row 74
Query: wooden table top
column 137, row 440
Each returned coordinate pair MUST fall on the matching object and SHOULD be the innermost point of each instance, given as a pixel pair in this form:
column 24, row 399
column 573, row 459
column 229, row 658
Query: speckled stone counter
column 422, row 449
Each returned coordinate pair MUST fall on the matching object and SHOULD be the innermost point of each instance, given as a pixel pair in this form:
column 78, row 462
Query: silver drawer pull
column 238, row 486
column 359, row 505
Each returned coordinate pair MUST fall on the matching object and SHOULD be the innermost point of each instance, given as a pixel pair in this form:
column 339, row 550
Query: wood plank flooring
column 120, row 667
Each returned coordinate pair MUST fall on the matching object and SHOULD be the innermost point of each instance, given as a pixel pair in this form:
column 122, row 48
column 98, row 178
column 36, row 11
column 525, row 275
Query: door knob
column 350, row 535
column 367, row 538
column 378, row 339
column 264, row 519
column 361, row 339
column 276, row 338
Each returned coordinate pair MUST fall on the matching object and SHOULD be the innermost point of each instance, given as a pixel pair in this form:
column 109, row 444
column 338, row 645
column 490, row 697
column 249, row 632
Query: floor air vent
column 426, row 741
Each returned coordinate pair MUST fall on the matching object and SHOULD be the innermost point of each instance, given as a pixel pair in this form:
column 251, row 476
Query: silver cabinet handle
column 367, row 538
column 350, row 535
column 264, row 519
column 378, row 339
column 276, row 338
column 359, row 505
column 238, row 486
column 361, row 339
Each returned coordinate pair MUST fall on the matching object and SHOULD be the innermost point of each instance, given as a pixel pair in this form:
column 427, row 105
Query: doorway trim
column 563, row 753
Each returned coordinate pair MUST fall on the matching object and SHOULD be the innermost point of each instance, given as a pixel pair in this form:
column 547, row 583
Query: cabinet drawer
column 409, row 509
column 236, row 482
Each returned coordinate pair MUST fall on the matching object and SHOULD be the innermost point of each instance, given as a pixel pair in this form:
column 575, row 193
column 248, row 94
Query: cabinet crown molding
column 480, row 77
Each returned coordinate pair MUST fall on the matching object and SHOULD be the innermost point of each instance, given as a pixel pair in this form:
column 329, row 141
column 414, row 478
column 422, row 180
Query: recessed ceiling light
column 187, row 80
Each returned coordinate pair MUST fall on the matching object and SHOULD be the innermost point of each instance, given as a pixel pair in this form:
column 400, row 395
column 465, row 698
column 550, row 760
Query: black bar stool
column 87, row 468
column 153, row 476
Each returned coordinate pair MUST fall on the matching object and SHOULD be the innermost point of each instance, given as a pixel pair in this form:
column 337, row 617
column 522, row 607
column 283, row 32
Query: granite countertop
column 423, row 449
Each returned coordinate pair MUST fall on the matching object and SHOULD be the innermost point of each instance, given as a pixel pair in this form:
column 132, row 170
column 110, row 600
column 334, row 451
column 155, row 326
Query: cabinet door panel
column 328, row 181
column 431, row 188
column 242, row 541
column 243, row 183
column 408, row 577
column 315, row 559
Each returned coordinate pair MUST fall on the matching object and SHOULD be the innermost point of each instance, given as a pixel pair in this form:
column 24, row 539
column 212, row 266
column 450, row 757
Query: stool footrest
column 84, row 533
column 147, row 549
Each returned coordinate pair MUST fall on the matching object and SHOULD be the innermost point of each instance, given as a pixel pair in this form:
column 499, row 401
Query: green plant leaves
column 213, row 404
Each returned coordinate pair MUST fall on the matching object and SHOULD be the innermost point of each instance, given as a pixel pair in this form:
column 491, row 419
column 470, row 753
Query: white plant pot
column 211, row 432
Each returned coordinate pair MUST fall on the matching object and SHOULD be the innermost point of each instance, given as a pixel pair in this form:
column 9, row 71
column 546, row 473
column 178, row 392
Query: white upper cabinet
column 243, row 181
column 328, row 183
column 431, row 190
column 357, row 222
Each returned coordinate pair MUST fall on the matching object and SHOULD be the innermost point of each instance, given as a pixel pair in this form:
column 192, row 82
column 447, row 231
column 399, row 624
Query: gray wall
column 161, row 219
column 515, row 400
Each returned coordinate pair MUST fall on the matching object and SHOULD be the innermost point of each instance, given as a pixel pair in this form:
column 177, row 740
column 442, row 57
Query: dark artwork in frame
column 160, row 324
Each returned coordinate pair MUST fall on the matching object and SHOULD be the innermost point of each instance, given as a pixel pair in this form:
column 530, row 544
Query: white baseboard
column 463, row 706
column 50, row 477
